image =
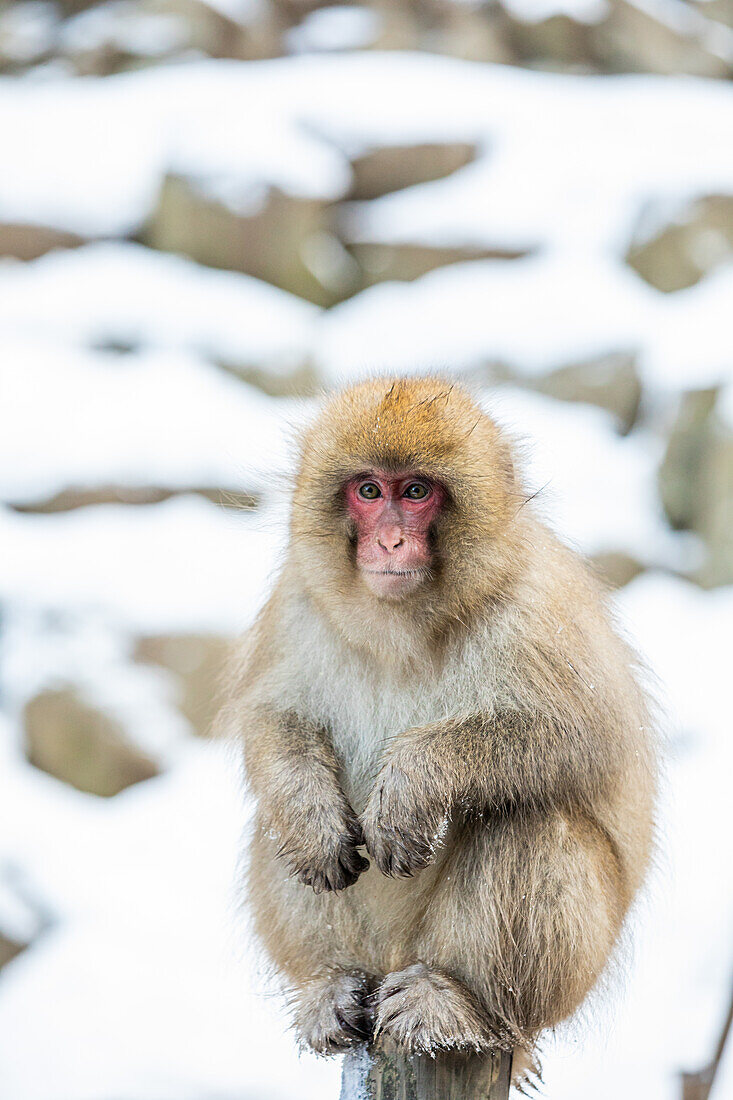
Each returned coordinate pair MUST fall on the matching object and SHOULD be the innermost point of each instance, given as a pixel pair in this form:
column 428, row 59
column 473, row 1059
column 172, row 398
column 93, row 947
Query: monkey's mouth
column 394, row 584
column 396, row 572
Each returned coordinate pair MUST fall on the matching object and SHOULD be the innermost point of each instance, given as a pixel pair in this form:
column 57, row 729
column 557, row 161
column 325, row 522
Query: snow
column 144, row 986
column 241, row 11
column 536, row 11
column 121, row 293
column 109, row 142
column 688, row 21
column 181, row 565
column 27, row 30
column 121, row 25
column 581, row 307
column 338, row 28
column 595, row 487
column 678, row 990
column 155, row 418
column 570, row 169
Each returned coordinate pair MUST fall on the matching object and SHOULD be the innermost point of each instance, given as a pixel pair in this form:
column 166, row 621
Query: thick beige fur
column 485, row 736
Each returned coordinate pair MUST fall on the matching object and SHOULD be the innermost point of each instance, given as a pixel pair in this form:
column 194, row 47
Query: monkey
column 448, row 742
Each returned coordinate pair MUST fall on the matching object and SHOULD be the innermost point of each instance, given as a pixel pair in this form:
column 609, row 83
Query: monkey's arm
column 293, row 772
column 480, row 763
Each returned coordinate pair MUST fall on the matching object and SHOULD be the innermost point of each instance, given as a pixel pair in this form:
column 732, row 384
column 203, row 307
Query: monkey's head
column 406, row 492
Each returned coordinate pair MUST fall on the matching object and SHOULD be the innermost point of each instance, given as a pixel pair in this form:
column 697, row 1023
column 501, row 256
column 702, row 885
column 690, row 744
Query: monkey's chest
column 363, row 724
column 365, row 705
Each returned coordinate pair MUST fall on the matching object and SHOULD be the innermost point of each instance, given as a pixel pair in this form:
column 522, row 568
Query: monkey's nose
column 390, row 539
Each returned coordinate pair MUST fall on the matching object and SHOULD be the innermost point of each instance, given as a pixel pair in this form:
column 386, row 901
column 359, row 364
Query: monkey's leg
column 320, row 945
column 525, row 915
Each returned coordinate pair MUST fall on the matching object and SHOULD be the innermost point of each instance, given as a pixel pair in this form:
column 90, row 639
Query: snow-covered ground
column 140, row 981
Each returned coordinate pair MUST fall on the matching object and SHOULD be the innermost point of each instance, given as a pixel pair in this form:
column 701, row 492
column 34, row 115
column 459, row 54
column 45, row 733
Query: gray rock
column 616, row 568
column 199, row 662
column 83, row 497
column 212, row 32
column 682, row 252
column 299, row 380
column 685, row 459
column 81, row 745
column 9, row 949
column 611, row 382
column 405, row 262
column 716, row 524
column 696, row 481
column 638, row 40
column 392, row 168
column 279, row 242
column 28, row 242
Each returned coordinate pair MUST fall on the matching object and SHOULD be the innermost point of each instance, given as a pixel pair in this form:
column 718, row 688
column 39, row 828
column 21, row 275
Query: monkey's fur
column 485, row 735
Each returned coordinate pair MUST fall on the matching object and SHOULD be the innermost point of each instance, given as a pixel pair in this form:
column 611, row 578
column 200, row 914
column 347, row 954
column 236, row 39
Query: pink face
column 393, row 515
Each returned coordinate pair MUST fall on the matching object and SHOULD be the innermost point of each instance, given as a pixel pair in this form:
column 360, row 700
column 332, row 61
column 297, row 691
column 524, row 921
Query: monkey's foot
column 330, row 1013
column 425, row 1010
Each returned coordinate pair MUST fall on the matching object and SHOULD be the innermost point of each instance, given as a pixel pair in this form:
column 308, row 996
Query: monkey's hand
column 404, row 818
column 319, row 847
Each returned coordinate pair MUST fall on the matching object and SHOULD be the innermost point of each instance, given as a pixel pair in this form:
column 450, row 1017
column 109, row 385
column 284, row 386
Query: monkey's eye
column 369, row 491
column 416, row 491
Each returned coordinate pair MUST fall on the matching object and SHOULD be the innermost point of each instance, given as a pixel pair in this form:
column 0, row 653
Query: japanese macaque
column 449, row 751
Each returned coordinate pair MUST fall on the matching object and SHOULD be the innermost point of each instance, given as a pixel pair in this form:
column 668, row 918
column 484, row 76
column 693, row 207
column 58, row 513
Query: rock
column 638, row 39
column 83, row 497
column 405, row 262
column 9, row 949
column 211, row 31
column 556, row 42
column 474, row 32
column 72, row 7
column 79, row 744
column 27, row 34
column 300, row 380
column 112, row 37
column 28, row 242
column 681, row 253
column 282, row 241
column 392, row 168
column 399, row 25
column 199, row 662
column 716, row 519
column 616, row 568
column 687, row 454
column 718, row 10
column 335, row 28
column 611, row 382
column 696, row 480
column 117, row 36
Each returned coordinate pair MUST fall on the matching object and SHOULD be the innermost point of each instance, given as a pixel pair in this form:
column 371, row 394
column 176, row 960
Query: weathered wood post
column 382, row 1072
column 698, row 1086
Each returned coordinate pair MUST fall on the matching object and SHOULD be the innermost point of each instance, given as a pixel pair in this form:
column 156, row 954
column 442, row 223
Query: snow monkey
column 450, row 754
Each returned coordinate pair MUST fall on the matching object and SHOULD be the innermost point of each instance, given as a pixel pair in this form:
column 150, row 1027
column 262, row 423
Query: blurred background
column 210, row 212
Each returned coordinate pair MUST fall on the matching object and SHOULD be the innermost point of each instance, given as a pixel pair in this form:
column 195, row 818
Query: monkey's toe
column 331, row 1015
column 425, row 1011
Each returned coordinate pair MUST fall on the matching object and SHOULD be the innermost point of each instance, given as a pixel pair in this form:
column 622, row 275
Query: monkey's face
column 393, row 517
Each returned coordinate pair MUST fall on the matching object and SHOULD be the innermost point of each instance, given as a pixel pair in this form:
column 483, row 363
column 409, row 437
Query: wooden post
column 382, row 1072
column 698, row 1086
